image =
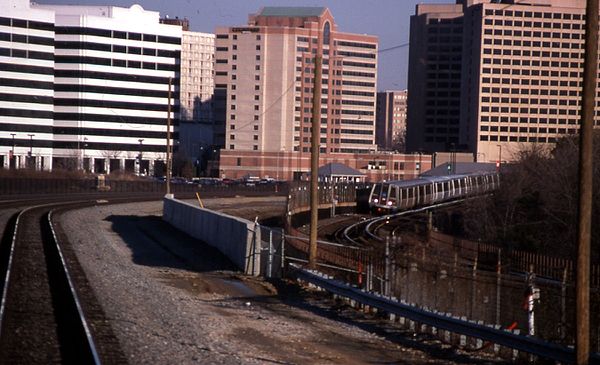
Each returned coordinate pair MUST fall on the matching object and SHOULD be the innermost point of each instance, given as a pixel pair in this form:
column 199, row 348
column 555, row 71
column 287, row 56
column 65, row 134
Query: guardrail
column 439, row 321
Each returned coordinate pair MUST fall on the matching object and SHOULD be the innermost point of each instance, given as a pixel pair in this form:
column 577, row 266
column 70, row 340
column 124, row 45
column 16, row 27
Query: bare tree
column 536, row 207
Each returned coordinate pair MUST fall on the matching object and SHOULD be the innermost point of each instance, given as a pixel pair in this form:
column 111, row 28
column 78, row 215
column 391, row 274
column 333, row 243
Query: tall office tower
column 390, row 125
column 196, row 97
column 264, row 80
column 112, row 71
column 27, row 79
column 520, row 75
column 434, row 77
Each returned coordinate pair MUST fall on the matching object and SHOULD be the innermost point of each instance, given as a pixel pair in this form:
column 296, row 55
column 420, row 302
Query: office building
column 105, row 92
column 196, row 128
column 264, row 80
column 390, row 125
column 493, row 77
column 27, row 79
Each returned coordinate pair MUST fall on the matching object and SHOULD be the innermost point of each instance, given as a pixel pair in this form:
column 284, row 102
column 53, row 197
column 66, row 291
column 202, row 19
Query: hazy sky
column 387, row 19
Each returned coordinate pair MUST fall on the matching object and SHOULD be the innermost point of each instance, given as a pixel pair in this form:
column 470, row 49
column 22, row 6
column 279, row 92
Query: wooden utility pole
column 590, row 69
column 169, row 140
column 314, row 164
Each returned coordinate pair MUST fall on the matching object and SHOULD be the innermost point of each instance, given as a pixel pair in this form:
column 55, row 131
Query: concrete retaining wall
column 234, row 237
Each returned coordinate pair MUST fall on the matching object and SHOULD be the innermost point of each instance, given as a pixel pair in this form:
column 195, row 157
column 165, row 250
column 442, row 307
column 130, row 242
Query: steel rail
column 523, row 343
column 371, row 221
column 76, row 334
column 90, row 352
column 8, row 269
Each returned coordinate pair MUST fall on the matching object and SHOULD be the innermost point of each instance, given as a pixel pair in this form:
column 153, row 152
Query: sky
column 387, row 19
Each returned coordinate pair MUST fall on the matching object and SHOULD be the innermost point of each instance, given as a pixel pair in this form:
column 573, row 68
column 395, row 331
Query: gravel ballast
column 171, row 299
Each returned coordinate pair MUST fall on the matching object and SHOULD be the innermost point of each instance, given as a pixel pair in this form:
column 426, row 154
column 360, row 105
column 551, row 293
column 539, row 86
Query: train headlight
column 375, row 200
column 390, row 203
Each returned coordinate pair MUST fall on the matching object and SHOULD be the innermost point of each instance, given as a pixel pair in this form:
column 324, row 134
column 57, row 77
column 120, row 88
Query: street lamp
column 277, row 169
column 499, row 157
column 12, row 163
column 453, row 158
column 140, row 157
column 30, row 154
column 83, row 158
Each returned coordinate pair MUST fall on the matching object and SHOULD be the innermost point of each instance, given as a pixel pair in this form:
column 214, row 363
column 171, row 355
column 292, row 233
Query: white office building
column 107, row 107
column 27, row 79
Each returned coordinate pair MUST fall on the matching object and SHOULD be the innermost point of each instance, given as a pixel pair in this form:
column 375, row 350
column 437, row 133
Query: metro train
column 393, row 196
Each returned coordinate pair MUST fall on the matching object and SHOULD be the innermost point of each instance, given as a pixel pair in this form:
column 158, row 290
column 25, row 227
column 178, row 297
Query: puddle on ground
column 208, row 284
column 243, row 289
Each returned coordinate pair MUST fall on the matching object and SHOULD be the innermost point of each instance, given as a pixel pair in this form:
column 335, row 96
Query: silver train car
column 393, row 196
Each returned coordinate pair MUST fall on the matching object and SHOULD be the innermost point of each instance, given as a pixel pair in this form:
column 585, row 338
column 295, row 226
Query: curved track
column 48, row 311
column 41, row 314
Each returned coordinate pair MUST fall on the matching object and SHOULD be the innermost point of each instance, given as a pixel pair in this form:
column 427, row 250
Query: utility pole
column 590, row 69
column 13, row 159
column 314, row 164
column 169, row 140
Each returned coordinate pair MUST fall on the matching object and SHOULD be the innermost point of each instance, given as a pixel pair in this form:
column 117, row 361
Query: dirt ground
column 172, row 299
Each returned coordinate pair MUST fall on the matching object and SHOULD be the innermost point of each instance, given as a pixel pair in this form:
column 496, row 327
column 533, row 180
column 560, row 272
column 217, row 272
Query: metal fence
column 328, row 193
column 513, row 289
column 23, row 186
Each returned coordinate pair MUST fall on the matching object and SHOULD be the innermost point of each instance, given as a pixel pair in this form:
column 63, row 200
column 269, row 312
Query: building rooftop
column 338, row 169
column 292, row 11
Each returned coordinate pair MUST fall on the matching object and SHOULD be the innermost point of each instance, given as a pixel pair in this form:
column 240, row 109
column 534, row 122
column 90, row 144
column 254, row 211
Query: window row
column 485, row 128
column 534, row 24
column 532, row 101
column 118, row 34
column 519, row 43
column 22, row 53
column 116, row 63
column 528, row 62
column 533, row 14
column 24, row 23
column 532, row 34
column 524, row 110
column 533, row 91
column 529, row 120
column 528, row 53
column 533, row 139
column 28, row 39
column 533, row 72
column 117, row 48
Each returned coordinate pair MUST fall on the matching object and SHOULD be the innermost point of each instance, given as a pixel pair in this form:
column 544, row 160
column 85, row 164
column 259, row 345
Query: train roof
column 462, row 168
column 428, row 179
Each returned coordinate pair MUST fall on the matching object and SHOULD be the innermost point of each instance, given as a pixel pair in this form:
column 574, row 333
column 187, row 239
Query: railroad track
column 48, row 310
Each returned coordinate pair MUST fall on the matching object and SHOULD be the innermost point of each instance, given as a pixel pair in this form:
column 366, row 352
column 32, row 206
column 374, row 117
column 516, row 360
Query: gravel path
column 173, row 300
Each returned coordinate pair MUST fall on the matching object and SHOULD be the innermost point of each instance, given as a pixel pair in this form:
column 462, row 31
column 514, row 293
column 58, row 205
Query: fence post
column 563, row 304
column 473, row 284
column 393, row 265
column 498, row 284
column 530, row 302
column 370, row 272
column 386, row 291
column 282, row 252
column 270, row 259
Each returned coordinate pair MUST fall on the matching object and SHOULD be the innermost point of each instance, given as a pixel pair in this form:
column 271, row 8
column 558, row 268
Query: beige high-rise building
column 391, row 120
column 264, row 80
column 197, row 81
column 493, row 77
column 196, row 89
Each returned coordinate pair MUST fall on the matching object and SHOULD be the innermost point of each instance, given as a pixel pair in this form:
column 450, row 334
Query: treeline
column 536, row 206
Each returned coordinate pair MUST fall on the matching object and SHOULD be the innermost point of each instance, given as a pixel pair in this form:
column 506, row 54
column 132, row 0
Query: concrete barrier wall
column 234, row 237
